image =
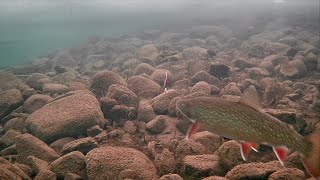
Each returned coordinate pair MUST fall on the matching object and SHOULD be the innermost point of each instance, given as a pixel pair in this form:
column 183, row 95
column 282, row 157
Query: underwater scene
column 160, row 90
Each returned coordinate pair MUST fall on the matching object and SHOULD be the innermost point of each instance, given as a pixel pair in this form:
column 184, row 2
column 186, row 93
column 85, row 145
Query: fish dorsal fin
column 250, row 97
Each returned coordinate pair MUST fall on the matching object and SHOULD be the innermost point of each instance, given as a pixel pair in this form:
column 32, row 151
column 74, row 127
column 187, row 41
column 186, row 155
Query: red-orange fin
column 193, row 129
column 246, row 148
column 281, row 153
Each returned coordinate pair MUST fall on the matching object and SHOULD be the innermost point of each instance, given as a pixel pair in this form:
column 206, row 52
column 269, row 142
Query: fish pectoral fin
column 246, row 148
column 193, row 129
column 281, row 153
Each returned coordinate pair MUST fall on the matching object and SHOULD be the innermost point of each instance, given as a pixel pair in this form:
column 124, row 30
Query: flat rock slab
column 66, row 117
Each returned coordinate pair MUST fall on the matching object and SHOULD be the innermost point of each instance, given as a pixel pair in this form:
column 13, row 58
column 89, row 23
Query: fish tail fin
column 312, row 161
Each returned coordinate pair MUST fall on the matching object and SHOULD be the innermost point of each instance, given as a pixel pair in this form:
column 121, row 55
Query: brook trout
column 251, row 127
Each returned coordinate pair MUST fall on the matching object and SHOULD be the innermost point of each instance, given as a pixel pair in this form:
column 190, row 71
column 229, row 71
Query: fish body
column 251, row 127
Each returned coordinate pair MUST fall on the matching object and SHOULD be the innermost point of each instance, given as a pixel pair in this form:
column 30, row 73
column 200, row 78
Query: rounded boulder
column 69, row 116
column 110, row 162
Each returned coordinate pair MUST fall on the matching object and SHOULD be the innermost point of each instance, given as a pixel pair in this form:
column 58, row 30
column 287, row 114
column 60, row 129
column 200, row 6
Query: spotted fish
column 251, row 127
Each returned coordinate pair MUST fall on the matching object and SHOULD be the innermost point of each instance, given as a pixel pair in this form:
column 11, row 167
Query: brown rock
column 35, row 102
column 171, row 177
column 172, row 106
column 182, row 84
column 242, row 63
column 11, row 150
column 28, row 92
column 231, row 89
column 143, row 87
column 83, row 145
column 143, row 68
column 254, row 170
column 215, row 178
column 195, row 66
column 145, row 111
column 130, row 127
column 46, row 175
column 9, row 81
column 8, row 138
column 109, row 162
column 58, row 144
column 72, row 176
column 73, row 162
column 28, row 145
column 123, row 95
column 37, row 80
column 16, row 123
column 256, row 73
column 229, row 154
column 94, row 130
column 288, row 173
column 188, row 147
column 195, row 53
column 8, row 171
column 103, row 80
column 201, row 87
column 293, row 69
column 219, row 71
column 156, row 125
column 53, row 88
column 58, row 119
column 37, row 165
column 161, row 102
column 165, row 162
column 128, row 174
column 9, row 101
column 25, row 168
column 211, row 141
column 159, row 76
column 290, row 117
column 200, row 165
column 148, row 53
column 311, row 62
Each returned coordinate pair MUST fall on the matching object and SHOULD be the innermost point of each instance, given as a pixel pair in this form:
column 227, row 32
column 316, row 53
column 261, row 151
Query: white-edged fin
column 281, row 153
column 246, row 147
column 250, row 97
column 193, row 129
column 244, row 157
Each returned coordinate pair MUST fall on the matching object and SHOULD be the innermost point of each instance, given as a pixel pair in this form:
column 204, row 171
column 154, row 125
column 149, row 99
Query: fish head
column 186, row 109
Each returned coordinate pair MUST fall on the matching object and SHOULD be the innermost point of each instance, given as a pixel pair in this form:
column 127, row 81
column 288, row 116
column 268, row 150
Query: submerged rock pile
column 102, row 111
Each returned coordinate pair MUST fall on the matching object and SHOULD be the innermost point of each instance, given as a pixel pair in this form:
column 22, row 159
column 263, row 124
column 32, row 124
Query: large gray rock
column 28, row 145
column 109, row 162
column 9, row 101
column 69, row 116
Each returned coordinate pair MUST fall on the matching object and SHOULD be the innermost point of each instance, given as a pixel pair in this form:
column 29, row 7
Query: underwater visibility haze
column 159, row 89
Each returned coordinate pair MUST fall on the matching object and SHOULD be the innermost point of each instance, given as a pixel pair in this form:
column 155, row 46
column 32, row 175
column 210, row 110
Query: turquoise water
column 30, row 29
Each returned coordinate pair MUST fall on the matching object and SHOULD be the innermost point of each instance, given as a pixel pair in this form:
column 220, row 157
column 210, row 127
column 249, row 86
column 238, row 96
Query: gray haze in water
column 34, row 28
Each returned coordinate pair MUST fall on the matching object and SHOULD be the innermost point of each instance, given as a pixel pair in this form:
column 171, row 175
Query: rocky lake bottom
column 101, row 111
